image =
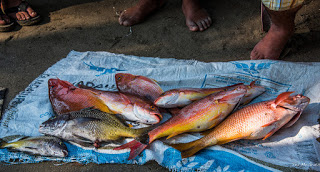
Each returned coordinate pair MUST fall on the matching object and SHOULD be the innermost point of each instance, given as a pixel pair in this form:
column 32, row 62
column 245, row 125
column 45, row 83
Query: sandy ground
column 89, row 25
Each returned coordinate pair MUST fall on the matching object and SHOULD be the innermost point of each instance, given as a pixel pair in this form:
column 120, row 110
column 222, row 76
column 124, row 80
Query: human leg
column 281, row 30
column 139, row 12
column 197, row 18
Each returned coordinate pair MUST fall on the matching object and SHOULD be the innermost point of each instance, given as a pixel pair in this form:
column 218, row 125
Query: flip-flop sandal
column 265, row 19
column 23, row 7
column 7, row 27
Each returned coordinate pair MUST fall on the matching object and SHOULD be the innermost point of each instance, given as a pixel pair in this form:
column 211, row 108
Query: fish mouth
column 146, row 117
column 65, row 153
column 299, row 103
column 158, row 115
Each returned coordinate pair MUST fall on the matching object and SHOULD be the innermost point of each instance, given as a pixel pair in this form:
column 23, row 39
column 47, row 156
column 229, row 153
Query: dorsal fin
column 282, row 97
column 252, row 83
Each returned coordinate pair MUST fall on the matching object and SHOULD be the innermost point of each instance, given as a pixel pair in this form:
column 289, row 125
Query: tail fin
column 189, row 149
column 135, row 148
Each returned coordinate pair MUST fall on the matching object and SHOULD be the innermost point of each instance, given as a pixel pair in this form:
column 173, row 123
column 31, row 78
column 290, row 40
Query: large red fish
column 256, row 121
column 65, row 97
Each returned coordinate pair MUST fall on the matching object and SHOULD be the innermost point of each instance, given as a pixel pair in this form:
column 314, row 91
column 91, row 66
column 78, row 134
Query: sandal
column 6, row 27
column 23, row 8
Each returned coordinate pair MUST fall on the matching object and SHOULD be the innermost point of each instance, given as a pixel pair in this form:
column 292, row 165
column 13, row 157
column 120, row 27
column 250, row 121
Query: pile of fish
column 96, row 118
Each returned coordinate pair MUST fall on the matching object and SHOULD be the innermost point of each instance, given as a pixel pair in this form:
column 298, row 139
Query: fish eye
column 152, row 107
column 119, row 78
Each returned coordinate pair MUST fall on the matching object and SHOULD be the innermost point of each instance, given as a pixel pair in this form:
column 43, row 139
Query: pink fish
column 138, row 85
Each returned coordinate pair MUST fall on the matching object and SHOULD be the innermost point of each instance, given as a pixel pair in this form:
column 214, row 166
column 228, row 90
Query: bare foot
column 140, row 12
column 197, row 18
column 282, row 28
column 271, row 46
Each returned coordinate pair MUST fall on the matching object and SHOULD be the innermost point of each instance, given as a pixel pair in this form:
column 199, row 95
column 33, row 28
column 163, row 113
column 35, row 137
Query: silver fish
column 42, row 145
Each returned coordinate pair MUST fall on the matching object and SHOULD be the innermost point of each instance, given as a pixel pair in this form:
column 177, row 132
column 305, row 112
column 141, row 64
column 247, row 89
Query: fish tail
column 143, row 136
column 189, row 149
column 136, row 148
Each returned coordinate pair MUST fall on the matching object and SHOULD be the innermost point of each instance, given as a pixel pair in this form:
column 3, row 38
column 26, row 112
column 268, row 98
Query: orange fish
column 256, row 121
column 185, row 96
column 198, row 116
column 65, row 97
column 138, row 85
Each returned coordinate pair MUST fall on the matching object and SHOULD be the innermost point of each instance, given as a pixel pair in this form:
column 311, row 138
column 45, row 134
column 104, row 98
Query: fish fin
column 293, row 120
column 135, row 148
column 174, row 134
column 228, row 97
column 82, row 139
column 84, row 144
column 14, row 138
column 270, row 123
column 122, row 120
column 189, row 149
column 253, row 83
column 282, row 97
column 270, row 133
column 125, row 98
column 213, row 118
column 157, row 82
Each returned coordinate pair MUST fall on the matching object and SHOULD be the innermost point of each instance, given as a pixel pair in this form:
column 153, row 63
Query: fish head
column 59, row 87
column 232, row 96
column 122, row 80
column 252, row 92
column 147, row 113
column 296, row 102
column 58, row 148
column 54, row 125
column 167, row 99
column 254, row 89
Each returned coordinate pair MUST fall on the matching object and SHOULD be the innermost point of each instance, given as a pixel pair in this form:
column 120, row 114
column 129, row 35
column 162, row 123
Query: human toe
column 255, row 55
column 31, row 12
column 201, row 26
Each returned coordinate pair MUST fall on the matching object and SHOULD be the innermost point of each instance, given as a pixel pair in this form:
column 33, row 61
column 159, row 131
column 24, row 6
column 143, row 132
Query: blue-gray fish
column 42, row 145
